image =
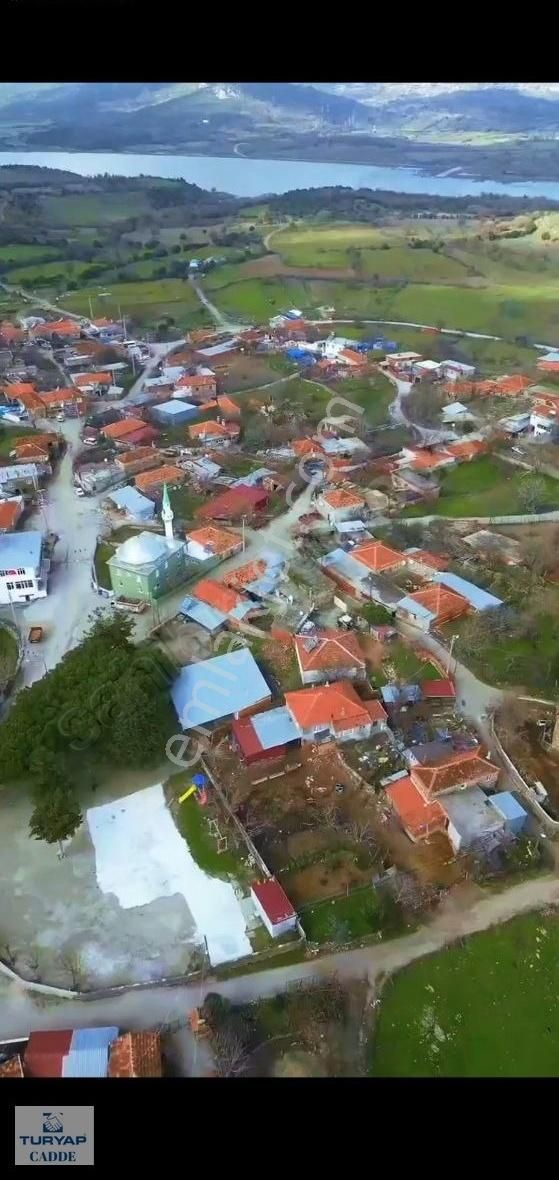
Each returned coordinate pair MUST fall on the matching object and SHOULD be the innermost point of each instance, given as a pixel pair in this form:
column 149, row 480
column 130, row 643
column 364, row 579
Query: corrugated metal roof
column 479, row 598
column 217, row 688
column 93, row 1038
column 508, row 806
column 200, row 612
column 274, row 728
column 86, row 1063
column 415, row 608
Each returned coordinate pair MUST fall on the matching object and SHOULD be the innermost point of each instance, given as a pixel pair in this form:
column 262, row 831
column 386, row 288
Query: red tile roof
column 444, row 604
column 416, row 815
column 376, row 556
column 195, row 380
column 214, row 430
column 438, row 688
column 61, row 327
column 307, row 446
column 137, row 455
column 465, row 768
column 336, row 704
column 59, row 397
column 329, row 649
column 126, row 426
column 218, row 595
column 548, row 366
column 166, row 474
column 15, row 389
column 10, row 512
column 468, row 449
column 82, row 379
column 425, row 557
column 10, row 333
column 136, row 1055
column 218, row 540
column 342, row 498
column 354, row 358
column 274, row 901
column 237, row 501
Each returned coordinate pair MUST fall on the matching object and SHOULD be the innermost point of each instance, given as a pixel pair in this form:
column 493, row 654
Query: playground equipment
column 199, row 787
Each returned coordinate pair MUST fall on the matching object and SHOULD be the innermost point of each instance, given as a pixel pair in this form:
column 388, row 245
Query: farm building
column 225, row 686
column 274, row 907
column 265, row 736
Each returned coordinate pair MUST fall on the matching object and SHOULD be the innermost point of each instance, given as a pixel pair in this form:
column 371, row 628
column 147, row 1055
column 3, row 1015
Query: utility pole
column 454, row 637
column 90, row 308
column 243, row 524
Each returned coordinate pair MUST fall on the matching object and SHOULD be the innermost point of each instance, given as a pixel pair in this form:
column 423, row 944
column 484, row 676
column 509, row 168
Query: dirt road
column 19, row 1013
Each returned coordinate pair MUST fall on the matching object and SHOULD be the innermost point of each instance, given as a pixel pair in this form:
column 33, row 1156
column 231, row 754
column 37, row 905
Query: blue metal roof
column 508, row 806
column 274, row 728
column 21, row 550
column 173, row 408
column 479, row 598
column 217, row 688
column 416, row 608
column 200, row 612
column 133, row 501
column 86, row 1063
column 93, row 1038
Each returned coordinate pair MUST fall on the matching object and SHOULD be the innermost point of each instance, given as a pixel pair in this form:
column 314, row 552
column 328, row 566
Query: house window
column 20, row 571
column 9, row 585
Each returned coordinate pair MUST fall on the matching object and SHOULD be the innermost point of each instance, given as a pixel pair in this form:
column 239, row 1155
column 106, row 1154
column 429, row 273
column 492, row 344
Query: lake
column 253, row 178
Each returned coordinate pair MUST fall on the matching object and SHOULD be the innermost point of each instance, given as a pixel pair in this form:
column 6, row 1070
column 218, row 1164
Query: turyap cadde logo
column 54, row 1136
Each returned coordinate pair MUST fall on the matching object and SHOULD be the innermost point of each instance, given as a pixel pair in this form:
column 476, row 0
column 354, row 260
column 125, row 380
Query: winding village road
column 77, row 521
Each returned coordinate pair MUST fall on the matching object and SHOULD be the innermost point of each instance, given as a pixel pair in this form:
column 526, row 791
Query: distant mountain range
column 211, row 117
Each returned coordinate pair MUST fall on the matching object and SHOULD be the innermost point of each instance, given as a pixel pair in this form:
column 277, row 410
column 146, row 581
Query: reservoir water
column 244, row 177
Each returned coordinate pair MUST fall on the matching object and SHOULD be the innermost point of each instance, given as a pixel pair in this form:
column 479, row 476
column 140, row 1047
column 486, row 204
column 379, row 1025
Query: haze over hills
column 341, row 121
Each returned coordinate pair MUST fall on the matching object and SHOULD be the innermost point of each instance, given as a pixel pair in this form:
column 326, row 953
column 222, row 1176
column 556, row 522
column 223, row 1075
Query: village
column 267, row 506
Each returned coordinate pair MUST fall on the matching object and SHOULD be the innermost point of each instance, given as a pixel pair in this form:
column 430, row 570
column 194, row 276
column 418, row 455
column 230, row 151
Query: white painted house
column 23, row 570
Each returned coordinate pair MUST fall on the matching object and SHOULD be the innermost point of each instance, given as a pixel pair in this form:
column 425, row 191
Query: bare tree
column 73, row 966
column 229, row 1052
column 8, row 955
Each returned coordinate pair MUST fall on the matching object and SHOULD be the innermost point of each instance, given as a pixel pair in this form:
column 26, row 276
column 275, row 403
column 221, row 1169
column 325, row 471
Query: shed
column 471, row 817
column 265, row 735
column 514, row 815
column 206, row 616
column 174, row 413
column 273, row 906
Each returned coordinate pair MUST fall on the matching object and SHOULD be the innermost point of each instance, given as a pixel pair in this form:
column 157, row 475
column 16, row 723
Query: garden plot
column 141, row 858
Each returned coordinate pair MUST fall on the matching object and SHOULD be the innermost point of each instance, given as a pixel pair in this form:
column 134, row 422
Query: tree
column 531, row 492
column 230, row 1054
column 56, row 817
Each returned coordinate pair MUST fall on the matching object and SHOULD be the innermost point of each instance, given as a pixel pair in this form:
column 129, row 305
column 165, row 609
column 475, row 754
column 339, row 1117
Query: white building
column 273, row 907
column 23, row 570
column 456, row 371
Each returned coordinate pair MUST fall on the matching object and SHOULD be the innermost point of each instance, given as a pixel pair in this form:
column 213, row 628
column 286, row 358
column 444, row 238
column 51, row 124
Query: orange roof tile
column 57, row 397
column 218, row 540
column 16, row 388
column 329, row 649
column 228, row 406
column 61, row 327
column 136, row 1055
column 425, row 557
column 166, row 474
column 354, row 358
column 10, row 333
column 414, row 812
column 137, row 455
column 31, row 451
column 82, row 379
column 307, row 446
column 548, row 366
column 245, row 574
column 218, row 595
column 468, row 449
column 332, row 704
column 123, row 427
column 200, row 380
column 213, row 429
column 376, row 556
column 10, row 512
column 444, row 604
column 464, row 768
column 426, row 461
column 342, row 498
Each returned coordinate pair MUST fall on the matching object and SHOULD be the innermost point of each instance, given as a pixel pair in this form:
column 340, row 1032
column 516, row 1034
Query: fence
column 533, row 518
column 550, row 825
column 252, row 849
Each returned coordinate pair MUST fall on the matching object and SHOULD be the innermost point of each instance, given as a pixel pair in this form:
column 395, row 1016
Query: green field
column 510, row 661
column 323, row 246
column 373, row 394
column 146, row 302
column 26, row 253
column 487, row 1009
column 484, row 487
column 64, row 269
column 92, row 209
column 359, row 915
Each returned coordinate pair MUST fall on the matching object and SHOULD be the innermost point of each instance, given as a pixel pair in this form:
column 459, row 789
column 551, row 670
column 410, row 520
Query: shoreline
column 457, row 172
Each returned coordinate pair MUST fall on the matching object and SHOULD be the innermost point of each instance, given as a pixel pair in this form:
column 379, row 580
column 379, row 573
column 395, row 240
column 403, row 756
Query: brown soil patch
column 374, row 651
column 325, row 880
column 299, row 1064
column 247, row 372
column 271, row 265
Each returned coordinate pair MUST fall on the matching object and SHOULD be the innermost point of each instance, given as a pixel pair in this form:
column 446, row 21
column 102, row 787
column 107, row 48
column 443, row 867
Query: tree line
column 105, row 702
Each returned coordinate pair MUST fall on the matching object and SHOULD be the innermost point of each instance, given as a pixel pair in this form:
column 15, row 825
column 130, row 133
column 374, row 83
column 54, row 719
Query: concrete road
column 158, row 353
column 20, row 1013
column 65, row 612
